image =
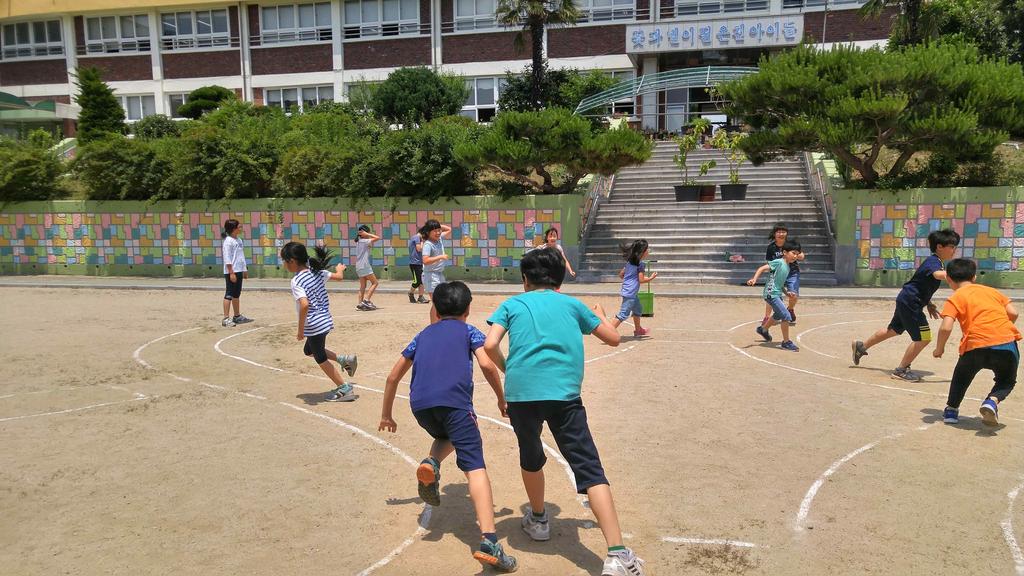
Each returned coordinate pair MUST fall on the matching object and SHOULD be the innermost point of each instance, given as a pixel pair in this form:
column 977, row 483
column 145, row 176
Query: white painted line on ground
column 808, row 347
column 138, row 351
column 43, row 391
column 394, row 553
column 69, row 410
column 710, row 542
column 660, row 341
column 1008, row 533
column 610, row 354
column 805, row 505
column 355, row 429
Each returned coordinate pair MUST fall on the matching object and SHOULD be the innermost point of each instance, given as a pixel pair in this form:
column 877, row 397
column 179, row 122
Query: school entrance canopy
column 703, row 76
column 18, row 117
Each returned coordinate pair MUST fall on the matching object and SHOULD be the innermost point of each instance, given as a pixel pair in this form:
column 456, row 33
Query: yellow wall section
column 22, row 8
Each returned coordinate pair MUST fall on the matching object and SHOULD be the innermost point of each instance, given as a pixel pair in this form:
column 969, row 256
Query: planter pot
column 707, row 193
column 687, row 193
column 733, row 191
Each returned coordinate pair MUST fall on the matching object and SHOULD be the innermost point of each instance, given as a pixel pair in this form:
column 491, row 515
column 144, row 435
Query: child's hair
column 429, row 226
column 961, row 270
column 230, row 226
column 543, row 267
column 945, row 237
column 778, row 226
column 297, row 251
column 362, row 228
column 549, row 232
column 452, row 298
column 791, row 245
column 633, row 252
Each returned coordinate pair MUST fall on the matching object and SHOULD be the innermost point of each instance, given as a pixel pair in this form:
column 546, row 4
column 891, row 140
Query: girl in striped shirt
column 310, row 292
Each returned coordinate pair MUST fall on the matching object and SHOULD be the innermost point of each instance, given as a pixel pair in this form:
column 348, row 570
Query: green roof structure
column 648, row 83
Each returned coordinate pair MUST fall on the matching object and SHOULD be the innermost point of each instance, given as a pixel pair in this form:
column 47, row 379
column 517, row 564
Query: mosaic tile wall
column 480, row 238
column 895, row 237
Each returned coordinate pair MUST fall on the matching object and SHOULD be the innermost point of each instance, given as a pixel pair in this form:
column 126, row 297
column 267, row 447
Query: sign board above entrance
column 714, row 34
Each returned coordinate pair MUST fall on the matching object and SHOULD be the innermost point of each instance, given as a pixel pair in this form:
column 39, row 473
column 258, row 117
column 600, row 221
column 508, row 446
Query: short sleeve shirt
column 631, row 279
column 362, row 254
column 433, row 249
column 545, row 349
column 918, row 291
column 778, row 271
column 233, row 253
column 774, row 252
column 415, row 258
column 442, row 365
column 312, row 286
column 981, row 312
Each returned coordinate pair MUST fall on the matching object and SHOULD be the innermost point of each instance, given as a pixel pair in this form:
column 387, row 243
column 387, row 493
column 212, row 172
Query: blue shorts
column 793, row 283
column 630, row 307
column 779, row 310
column 912, row 321
column 458, row 426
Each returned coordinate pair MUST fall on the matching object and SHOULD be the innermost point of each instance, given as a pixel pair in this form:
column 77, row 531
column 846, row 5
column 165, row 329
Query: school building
column 154, row 52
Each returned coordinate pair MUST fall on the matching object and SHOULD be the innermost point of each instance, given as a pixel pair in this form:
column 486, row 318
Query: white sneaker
column 227, row 323
column 539, row 530
column 623, row 564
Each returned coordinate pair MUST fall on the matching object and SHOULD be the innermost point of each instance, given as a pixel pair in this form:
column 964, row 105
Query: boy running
column 774, row 288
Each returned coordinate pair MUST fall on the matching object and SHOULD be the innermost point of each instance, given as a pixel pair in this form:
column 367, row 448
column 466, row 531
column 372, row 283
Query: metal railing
column 822, row 197
column 687, row 78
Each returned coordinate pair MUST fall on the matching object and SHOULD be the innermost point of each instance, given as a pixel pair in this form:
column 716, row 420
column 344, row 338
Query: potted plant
column 730, row 144
column 690, row 190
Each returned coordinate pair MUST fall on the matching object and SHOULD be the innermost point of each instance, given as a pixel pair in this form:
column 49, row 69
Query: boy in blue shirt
column 543, row 378
column 441, row 398
column 914, row 297
column 774, row 288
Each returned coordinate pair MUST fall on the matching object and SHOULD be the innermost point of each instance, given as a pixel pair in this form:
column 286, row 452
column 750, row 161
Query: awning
column 12, row 102
column 648, row 83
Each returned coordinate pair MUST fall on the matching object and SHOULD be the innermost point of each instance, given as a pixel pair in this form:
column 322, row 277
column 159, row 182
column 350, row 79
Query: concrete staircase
column 690, row 240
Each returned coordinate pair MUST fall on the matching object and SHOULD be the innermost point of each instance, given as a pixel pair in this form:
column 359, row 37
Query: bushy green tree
column 532, row 17
column 119, row 168
column 101, row 112
column 560, row 88
column 156, row 126
column 857, row 103
column 529, row 147
column 28, row 170
column 205, row 99
column 978, row 22
column 413, row 95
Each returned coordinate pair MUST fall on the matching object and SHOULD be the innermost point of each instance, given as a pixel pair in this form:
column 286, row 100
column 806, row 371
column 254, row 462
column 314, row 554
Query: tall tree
column 534, row 16
column 912, row 24
column 411, row 96
column 101, row 112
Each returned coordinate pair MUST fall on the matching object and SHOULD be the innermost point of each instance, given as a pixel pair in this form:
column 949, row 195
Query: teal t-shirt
column 778, row 271
column 545, row 346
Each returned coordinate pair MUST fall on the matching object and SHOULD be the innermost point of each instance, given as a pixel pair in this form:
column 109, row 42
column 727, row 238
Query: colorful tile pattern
column 895, row 236
column 480, row 238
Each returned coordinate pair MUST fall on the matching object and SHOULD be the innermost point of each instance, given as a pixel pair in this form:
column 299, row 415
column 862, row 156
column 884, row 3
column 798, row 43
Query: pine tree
column 101, row 112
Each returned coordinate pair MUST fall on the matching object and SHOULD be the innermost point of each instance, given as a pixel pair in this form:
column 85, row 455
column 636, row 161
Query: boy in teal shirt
column 543, row 378
column 774, row 288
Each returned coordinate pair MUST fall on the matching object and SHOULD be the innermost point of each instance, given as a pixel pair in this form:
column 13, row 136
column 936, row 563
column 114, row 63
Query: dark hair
column 945, row 237
column 297, row 251
column 229, row 226
column 778, row 226
column 429, row 226
column 548, row 233
column 961, row 270
column 362, row 228
column 451, row 298
column 791, row 245
column 543, row 267
column 633, row 252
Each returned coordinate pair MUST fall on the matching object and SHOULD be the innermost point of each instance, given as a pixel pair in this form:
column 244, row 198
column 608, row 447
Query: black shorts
column 912, row 321
column 567, row 421
column 316, row 346
column 459, row 426
column 233, row 289
column 417, row 275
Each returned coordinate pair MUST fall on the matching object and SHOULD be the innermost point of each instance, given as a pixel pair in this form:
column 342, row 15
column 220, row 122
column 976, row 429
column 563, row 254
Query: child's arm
column 493, row 377
column 605, row 332
column 643, row 278
column 757, row 274
column 492, row 346
column 338, row 271
column 390, row 389
column 933, row 311
column 303, row 309
column 432, row 259
column 1011, row 312
column 372, row 237
column 944, row 331
column 446, row 231
column 622, row 273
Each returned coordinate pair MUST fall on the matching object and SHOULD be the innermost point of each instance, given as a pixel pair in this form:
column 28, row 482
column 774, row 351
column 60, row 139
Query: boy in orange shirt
column 989, row 340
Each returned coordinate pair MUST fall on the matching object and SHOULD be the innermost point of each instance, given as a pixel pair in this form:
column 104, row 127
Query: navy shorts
column 567, row 421
column 793, row 283
column 458, row 426
column 912, row 321
column 779, row 310
column 233, row 290
column 630, row 307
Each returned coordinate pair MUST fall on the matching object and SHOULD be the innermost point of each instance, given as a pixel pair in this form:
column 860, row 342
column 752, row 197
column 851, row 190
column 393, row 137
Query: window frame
column 29, row 50
column 683, row 8
column 475, row 22
column 120, row 44
column 123, row 100
column 381, row 28
column 615, row 11
column 296, row 34
column 472, row 110
column 172, row 110
column 195, row 39
column 299, row 99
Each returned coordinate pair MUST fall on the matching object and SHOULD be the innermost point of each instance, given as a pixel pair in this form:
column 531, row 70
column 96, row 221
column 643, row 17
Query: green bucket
column 646, row 303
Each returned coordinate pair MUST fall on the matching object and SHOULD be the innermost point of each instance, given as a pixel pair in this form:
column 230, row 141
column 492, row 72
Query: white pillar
column 156, row 62
column 70, row 53
column 243, row 37
column 337, row 49
column 435, row 33
column 649, row 65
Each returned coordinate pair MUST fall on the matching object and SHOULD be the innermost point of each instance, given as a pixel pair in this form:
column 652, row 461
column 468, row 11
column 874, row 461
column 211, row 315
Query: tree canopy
column 413, row 95
column 532, row 17
column 203, row 100
column 101, row 112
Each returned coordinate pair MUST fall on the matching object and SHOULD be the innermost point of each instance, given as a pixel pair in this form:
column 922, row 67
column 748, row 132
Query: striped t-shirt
column 310, row 285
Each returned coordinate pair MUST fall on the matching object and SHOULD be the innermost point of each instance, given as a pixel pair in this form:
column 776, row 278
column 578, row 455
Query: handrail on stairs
column 817, row 184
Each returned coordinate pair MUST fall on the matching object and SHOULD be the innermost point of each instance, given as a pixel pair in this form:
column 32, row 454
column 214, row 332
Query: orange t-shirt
column 981, row 312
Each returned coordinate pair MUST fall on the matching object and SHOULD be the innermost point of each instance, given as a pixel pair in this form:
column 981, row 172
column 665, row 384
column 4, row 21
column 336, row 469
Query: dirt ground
column 140, row 437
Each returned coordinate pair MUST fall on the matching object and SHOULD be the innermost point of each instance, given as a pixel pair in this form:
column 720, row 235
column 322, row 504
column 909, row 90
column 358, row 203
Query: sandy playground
column 140, row 437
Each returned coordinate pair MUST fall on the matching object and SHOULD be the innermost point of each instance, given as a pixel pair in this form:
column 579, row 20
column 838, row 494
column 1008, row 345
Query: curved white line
column 356, row 430
column 710, row 542
column 71, row 409
column 1007, row 526
column 660, row 341
column 805, row 505
column 43, row 391
column 138, row 351
column 808, row 347
column 610, row 354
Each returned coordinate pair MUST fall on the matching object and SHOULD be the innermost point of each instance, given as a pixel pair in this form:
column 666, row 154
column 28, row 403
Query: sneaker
column 858, row 351
column 370, row 305
column 423, row 299
column 491, row 554
column 240, row 319
column 788, row 345
column 763, row 333
column 641, row 332
column 950, row 415
column 906, row 375
column 990, row 412
column 792, row 316
column 349, row 364
column 428, row 477
column 227, row 322
column 412, row 297
column 362, row 307
column 342, row 393
column 624, row 563
column 536, row 528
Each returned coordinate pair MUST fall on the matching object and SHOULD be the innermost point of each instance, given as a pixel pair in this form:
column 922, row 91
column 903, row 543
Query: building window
column 627, row 105
column 107, row 34
column 800, row 4
column 200, row 29
column 381, row 18
column 174, row 102
column 474, row 14
column 296, row 23
column 304, row 97
column 27, row 39
column 604, row 10
column 482, row 101
column 691, row 7
column 360, row 94
column 138, row 107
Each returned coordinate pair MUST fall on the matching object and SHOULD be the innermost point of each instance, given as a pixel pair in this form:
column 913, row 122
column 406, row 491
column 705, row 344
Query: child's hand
column 938, row 352
column 933, row 311
column 751, row 282
column 444, row 256
column 245, row 275
column 233, row 277
column 503, row 408
column 387, row 423
column 654, row 275
column 299, row 336
column 340, row 268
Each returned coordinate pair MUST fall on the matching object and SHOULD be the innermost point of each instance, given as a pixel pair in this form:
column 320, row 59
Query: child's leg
column 227, row 307
column 441, row 448
column 236, row 304
column 372, row 279
column 362, row 288
column 483, row 500
column 881, row 335
column 1004, row 364
column 636, row 323
column 912, row 351
column 785, row 330
column 534, row 484
column 967, row 367
column 331, row 371
column 527, row 421
column 603, row 507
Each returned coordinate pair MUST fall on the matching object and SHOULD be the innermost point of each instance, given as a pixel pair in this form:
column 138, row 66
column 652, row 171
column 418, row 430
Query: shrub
column 205, row 99
column 28, row 170
column 101, row 112
column 413, row 95
column 118, row 168
column 156, row 126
